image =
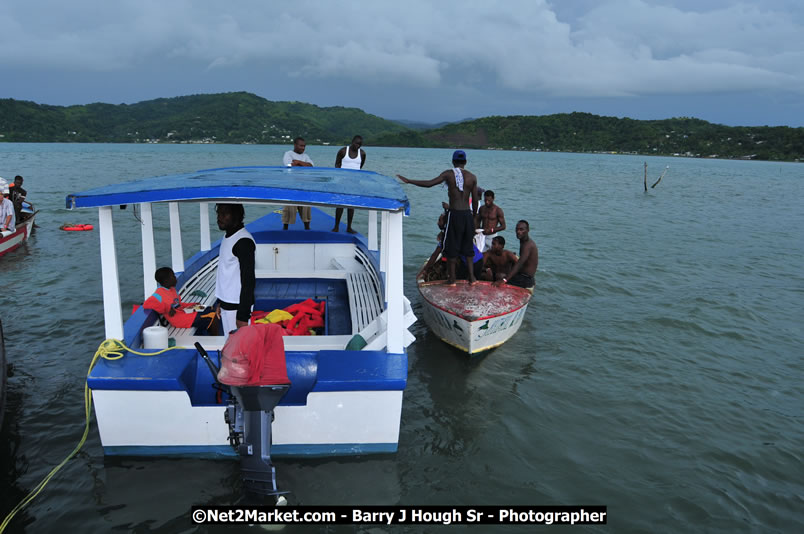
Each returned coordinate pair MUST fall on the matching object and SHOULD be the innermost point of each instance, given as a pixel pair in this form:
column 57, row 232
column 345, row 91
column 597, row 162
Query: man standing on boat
column 461, row 184
column 235, row 280
column 349, row 157
column 524, row 269
column 491, row 219
column 297, row 158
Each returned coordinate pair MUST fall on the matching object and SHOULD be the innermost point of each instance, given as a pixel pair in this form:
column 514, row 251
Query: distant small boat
column 473, row 318
column 22, row 230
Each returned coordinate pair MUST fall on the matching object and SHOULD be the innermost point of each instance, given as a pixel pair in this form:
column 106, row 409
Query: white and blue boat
column 341, row 402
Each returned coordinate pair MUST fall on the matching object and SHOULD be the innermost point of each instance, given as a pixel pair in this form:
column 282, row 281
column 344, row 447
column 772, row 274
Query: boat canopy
column 318, row 186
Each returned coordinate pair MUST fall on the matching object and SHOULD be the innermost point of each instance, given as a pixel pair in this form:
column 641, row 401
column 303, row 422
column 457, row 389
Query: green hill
column 584, row 132
column 218, row 118
column 247, row 118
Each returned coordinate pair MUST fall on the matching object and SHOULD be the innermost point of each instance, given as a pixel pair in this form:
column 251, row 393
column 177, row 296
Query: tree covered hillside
column 220, row 118
column 584, row 132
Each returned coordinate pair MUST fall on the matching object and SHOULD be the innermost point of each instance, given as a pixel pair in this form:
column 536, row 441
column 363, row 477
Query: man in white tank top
column 349, row 157
column 235, row 277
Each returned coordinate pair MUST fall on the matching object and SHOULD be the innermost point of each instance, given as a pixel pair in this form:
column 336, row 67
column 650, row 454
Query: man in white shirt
column 349, row 157
column 235, row 278
column 7, row 219
column 297, row 158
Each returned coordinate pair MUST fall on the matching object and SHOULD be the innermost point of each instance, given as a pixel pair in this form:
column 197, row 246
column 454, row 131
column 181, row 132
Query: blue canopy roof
column 296, row 185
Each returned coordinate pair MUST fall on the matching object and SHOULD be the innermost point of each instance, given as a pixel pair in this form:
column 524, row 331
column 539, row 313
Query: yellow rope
column 110, row 349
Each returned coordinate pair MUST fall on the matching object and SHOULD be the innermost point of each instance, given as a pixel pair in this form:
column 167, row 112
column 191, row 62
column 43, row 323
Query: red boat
column 21, row 232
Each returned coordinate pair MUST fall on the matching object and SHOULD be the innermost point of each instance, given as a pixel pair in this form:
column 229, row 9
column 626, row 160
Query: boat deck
column 351, row 289
column 474, row 302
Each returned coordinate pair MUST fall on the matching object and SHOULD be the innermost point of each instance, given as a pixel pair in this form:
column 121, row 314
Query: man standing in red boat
column 235, row 281
column 349, row 157
column 461, row 184
column 524, row 269
column 7, row 218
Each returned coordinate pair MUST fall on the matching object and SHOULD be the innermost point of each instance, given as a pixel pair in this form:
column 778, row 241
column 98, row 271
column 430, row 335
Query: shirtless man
column 490, row 218
column 522, row 273
column 461, row 184
column 498, row 262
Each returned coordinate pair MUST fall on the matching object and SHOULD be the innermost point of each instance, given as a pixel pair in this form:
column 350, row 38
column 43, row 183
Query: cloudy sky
column 735, row 63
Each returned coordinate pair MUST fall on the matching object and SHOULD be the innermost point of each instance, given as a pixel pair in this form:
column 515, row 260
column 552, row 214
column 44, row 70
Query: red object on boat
column 254, row 355
column 76, row 227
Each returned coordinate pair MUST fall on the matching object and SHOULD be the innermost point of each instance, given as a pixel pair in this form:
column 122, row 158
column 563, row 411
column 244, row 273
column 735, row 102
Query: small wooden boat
column 473, row 318
column 21, row 233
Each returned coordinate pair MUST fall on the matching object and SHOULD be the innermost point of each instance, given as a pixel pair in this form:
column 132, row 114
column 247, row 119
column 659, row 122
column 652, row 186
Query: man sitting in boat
column 18, row 195
column 498, row 262
column 7, row 217
column 461, row 184
column 524, row 269
column 235, row 278
column 166, row 301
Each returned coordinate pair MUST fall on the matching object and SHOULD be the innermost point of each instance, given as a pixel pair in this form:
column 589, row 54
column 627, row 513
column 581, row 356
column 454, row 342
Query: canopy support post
column 112, row 315
column 384, row 251
column 372, row 230
column 177, row 254
column 394, row 286
column 206, row 243
column 148, row 250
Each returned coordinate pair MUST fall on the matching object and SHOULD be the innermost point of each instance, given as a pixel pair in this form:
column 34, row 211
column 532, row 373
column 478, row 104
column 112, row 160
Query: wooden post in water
column 645, row 183
column 660, row 178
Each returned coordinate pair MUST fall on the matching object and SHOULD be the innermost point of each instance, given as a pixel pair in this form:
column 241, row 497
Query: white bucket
column 155, row 337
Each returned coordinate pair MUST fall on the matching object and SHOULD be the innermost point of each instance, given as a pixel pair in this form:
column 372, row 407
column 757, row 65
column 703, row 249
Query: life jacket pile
column 304, row 317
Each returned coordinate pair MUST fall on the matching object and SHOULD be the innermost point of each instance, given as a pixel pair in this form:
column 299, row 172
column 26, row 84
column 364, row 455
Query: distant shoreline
column 367, row 145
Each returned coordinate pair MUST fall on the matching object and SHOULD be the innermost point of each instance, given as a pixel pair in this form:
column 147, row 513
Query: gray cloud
column 607, row 48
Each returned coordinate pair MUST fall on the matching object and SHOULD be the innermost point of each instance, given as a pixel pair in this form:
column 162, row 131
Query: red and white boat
column 473, row 318
column 21, row 233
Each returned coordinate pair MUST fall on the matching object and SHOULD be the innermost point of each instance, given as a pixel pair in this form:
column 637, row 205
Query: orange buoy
column 76, row 227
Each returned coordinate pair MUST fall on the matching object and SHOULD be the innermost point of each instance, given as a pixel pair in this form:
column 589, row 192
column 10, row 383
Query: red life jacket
column 163, row 300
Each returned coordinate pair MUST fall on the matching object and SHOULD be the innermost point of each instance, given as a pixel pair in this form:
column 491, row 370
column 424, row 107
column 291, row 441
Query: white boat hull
column 472, row 336
column 164, row 423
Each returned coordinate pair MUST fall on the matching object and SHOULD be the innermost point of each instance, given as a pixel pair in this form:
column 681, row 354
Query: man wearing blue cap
column 461, row 186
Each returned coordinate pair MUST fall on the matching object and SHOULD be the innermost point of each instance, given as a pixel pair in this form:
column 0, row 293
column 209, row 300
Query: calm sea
column 658, row 370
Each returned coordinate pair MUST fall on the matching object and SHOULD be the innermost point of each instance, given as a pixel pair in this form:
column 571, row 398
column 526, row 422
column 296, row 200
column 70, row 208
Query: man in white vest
column 235, row 281
column 349, row 157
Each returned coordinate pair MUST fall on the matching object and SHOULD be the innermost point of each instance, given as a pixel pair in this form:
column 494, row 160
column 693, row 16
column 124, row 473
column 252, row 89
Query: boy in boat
column 498, row 262
column 522, row 273
column 491, row 220
column 461, row 185
column 167, row 302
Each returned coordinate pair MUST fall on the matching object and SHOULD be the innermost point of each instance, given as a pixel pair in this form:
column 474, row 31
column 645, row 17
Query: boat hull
column 18, row 237
column 455, row 319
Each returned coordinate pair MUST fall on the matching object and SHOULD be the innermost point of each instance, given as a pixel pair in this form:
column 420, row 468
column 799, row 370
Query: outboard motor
column 249, row 415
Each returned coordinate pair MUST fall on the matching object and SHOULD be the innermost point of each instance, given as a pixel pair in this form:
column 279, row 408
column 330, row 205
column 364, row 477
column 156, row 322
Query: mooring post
column 645, row 182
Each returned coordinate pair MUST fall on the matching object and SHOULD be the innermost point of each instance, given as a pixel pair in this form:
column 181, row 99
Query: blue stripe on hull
column 277, row 451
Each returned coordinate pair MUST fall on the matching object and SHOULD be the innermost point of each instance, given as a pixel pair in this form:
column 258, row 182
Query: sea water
column 658, row 369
